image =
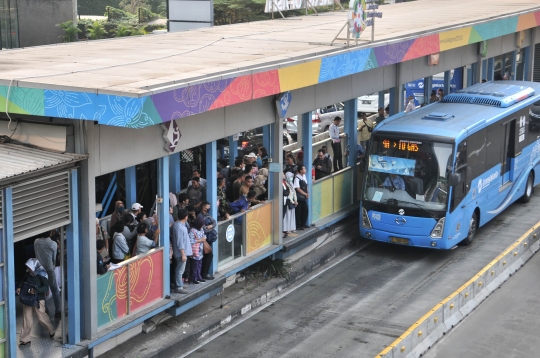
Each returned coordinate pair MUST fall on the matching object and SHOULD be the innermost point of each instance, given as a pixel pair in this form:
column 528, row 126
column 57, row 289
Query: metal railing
column 332, row 194
column 245, row 233
column 134, row 284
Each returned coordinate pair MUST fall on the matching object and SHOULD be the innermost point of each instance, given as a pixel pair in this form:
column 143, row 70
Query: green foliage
column 96, row 31
column 137, row 30
column 95, row 7
column 70, row 29
column 122, row 31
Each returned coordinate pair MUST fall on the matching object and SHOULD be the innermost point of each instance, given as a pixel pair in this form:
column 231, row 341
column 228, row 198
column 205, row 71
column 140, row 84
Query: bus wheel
column 529, row 189
column 473, row 226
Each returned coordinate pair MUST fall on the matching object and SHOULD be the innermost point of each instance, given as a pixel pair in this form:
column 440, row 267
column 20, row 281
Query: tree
column 96, row 31
column 70, row 29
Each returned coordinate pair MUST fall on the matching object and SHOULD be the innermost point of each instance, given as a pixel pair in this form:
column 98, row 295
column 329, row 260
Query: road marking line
column 453, row 295
column 283, row 294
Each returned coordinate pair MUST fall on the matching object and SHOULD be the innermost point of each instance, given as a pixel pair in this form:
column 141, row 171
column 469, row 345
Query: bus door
column 508, row 150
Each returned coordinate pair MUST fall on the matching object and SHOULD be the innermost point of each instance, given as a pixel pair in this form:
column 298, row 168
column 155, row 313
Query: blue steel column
column 174, row 173
column 446, row 87
column 484, row 69
column 266, row 136
column 73, row 249
column 233, row 151
column 351, row 119
column 513, row 65
column 211, row 193
column 490, row 69
column 163, row 218
column 307, row 141
column 381, row 101
column 131, row 186
column 392, row 101
column 428, row 85
column 526, row 59
column 275, row 157
column 9, row 264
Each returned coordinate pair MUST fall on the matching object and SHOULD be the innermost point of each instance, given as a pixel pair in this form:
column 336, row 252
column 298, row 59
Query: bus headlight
column 366, row 224
column 437, row 231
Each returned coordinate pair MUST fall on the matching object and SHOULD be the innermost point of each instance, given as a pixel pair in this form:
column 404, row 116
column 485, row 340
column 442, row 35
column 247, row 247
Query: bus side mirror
column 455, row 178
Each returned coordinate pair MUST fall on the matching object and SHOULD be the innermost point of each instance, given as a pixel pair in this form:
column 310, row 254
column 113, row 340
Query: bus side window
column 460, row 168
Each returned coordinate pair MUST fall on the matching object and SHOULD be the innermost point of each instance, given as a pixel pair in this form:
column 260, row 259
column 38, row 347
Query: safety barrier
column 332, row 194
column 245, row 233
column 419, row 337
column 134, row 285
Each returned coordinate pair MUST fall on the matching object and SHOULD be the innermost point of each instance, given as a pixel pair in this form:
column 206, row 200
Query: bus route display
column 404, row 145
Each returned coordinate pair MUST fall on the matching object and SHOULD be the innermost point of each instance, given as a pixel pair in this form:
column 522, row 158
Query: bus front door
column 508, row 150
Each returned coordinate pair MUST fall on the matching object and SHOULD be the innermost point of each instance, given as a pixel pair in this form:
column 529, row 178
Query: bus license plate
column 399, row 240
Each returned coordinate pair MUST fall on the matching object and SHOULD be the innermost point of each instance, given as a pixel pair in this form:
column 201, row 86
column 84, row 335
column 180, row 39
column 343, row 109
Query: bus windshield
column 408, row 173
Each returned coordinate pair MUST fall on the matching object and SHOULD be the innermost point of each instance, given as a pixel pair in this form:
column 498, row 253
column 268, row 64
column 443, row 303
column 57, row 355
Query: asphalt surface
column 362, row 305
column 505, row 325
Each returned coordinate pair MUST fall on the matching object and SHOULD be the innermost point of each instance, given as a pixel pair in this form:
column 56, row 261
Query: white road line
column 284, row 293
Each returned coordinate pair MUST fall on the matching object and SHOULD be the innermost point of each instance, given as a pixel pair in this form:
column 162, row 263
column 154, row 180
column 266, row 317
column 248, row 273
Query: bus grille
column 457, row 99
column 488, row 101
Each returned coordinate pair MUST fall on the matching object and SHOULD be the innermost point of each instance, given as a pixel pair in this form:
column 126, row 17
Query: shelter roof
column 141, row 81
column 20, row 161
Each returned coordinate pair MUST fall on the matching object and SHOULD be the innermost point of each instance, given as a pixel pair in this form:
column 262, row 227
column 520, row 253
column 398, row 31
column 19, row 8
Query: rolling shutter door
column 40, row 205
column 536, row 70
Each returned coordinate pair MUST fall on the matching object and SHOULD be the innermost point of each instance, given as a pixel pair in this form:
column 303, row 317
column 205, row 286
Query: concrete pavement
column 505, row 325
column 361, row 306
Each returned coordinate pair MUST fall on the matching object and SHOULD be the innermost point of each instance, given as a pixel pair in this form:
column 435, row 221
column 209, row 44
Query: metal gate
column 40, row 205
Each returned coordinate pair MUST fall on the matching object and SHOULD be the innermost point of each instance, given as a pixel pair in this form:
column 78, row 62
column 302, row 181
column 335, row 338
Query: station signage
column 284, row 5
column 171, row 135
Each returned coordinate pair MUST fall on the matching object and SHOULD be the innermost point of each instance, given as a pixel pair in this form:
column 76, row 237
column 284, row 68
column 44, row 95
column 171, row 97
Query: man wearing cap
column 336, row 144
column 135, row 209
column 252, row 157
column 410, row 105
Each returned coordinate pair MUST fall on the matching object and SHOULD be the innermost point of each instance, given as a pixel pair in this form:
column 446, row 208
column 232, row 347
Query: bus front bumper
column 399, row 239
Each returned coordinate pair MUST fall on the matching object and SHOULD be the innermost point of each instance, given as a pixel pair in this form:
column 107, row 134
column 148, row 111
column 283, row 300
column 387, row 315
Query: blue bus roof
column 458, row 114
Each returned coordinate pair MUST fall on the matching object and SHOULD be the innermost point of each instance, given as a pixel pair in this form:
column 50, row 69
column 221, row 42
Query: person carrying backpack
column 31, row 293
column 302, row 194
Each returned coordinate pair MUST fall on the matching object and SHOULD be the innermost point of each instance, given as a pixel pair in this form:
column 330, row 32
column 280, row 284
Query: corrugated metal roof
column 19, row 161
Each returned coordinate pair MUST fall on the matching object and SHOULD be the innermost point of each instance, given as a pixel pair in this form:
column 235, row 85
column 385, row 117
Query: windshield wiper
column 432, row 214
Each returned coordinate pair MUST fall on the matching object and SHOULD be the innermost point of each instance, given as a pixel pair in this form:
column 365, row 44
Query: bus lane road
column 362, row 305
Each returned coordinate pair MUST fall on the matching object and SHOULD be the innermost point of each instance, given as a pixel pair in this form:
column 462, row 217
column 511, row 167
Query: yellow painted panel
column 259, row 228
column 455, row 38
column 322, row 199
column 298, row 76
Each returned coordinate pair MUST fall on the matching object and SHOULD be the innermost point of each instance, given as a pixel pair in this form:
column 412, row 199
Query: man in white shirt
column 410, row 105
column 302, row 194
column 336, row 144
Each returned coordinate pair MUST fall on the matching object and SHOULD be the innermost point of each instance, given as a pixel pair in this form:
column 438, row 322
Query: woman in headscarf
column 116, row 215
column 38, row 284
column 101, row 234
column 289, row 199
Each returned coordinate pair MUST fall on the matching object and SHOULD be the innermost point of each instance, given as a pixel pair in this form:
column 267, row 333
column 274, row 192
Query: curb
column 191, row 340
column 425, row 332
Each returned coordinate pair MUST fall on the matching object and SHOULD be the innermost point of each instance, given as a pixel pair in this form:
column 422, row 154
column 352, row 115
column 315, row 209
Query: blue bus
column 436, row 174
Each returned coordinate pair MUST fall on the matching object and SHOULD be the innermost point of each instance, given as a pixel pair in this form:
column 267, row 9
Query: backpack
column 303, row 187
column 27, row 298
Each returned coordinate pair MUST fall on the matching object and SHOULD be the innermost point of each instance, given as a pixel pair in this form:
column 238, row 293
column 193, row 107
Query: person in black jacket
column 102, row 267
column 35, row 276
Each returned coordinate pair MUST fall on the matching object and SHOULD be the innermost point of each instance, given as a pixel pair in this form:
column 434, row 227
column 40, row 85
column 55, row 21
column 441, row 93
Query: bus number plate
column 399, row 240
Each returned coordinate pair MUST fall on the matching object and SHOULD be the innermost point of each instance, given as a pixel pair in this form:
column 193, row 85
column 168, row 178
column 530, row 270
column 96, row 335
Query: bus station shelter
column 80, row 111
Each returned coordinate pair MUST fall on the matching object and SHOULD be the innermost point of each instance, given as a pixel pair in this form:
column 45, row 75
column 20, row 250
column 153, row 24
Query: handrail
column 138, row 257
column 232, row 217
column 332, row 175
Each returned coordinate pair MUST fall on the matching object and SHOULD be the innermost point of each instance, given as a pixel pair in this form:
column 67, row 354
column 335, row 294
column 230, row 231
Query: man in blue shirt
column 394, row 182
column 181, row 249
